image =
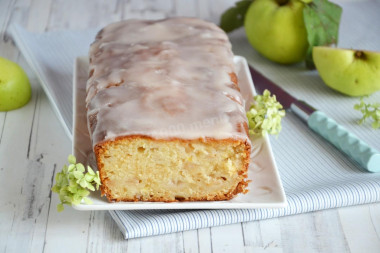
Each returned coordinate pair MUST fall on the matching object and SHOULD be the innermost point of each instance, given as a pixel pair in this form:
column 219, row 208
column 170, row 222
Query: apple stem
column 282, row 2
column 359, row 55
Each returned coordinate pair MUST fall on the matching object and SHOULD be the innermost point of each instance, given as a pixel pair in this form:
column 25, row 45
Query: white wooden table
column 33, row 147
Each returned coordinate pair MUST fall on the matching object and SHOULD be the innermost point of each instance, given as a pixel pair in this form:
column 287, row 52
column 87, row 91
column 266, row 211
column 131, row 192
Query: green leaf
column 78, row 174
column 233, row 18
column 89, row 178
column 83, row 192
column 80, row 167
column 97, row 180
column 76, row 199
column 70, row 168
column 73, row 182
column 72, row 159
column 83, row 183
column 60, row 207
column 73, row 188
column 64, row 170
column 90, row 171
column 90, row 187
column 322, row 25
column 55, row 189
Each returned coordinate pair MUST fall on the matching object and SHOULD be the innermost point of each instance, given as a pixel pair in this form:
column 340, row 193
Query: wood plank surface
column 33, row 147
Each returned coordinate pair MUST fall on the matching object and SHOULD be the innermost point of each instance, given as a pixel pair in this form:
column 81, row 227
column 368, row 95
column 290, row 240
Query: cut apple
column 351, row 72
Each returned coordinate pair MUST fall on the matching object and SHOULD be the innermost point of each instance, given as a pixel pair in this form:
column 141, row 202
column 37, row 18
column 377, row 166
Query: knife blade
column 319, row 122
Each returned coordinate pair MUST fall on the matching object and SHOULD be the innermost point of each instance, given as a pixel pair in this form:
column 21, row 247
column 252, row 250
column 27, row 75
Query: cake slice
column 165, row 114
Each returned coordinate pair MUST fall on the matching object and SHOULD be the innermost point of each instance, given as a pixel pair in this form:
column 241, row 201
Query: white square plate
column 265, row 190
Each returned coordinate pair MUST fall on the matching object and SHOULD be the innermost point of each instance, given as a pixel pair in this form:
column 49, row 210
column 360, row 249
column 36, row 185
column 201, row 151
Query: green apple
column 276, row 29
column 351, row 72
column 15, row 90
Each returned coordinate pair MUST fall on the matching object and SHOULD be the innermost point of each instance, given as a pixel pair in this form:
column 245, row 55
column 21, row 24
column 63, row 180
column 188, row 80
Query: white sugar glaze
column 163, row 79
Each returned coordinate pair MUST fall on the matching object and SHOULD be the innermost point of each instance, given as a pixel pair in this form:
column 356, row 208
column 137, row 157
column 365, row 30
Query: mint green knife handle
column 345, row 141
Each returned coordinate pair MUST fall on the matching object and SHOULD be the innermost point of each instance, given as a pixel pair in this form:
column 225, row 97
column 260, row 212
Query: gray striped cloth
column 315, row 175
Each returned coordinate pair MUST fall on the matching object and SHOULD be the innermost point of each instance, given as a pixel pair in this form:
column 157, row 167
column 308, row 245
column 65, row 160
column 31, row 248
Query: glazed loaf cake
column 165, row 115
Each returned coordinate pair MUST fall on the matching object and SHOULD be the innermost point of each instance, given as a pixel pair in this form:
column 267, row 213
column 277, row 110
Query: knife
column 320, row 123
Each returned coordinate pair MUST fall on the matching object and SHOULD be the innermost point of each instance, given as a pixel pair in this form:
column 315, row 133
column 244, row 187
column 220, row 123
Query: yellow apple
column 351, row 72
column 15, row 90
column 276, row 29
